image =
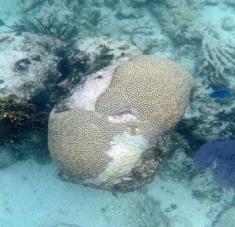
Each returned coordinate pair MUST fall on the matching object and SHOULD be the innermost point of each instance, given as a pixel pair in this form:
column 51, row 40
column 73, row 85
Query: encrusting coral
column 108, row 138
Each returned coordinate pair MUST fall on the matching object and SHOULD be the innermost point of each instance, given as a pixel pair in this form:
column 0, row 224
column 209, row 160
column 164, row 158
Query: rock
column 230, row 2
column 140, row 1
column 212, row 2
column 208, row 118
column 28, row 61
column 228, row 24
column 118, row 48
column 179, row 21
column 91, row 54
column 30, row 72
column 170, row 3
column 50, row 18
column 105, row 134
column 226, row 218
column 123, row 10
column 31, row 5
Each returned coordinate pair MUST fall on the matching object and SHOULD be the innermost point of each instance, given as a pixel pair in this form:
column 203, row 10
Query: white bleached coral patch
column 86, row 95
column 122, row 117
column 125, row 152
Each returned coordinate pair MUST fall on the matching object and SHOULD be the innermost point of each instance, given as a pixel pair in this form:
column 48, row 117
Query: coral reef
column 23, row 130
column 220, row 155
column 47, row 20
column 29, row 62
column 18, row 117
column 29, row 82
column 218, row 53
column 193, row 33
column 209, row 117
column 86, row 56
column 108, row 48
column 117, row 124
column 226, row 218
column 28, row 5
column 38, row 71
column 177, row 20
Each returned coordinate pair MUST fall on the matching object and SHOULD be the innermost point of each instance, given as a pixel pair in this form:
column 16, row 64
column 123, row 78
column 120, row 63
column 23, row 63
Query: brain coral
column 107, row 139
column 155, row 90
column 85, row 135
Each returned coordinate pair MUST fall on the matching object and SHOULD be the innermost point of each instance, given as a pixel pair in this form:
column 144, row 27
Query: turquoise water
column 199, row 35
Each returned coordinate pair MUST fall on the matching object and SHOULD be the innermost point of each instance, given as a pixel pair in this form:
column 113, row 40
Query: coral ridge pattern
column 105, row 147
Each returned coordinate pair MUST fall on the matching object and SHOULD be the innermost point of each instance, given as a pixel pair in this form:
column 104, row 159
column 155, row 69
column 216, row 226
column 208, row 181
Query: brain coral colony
column 220, row 156
column 106, row 133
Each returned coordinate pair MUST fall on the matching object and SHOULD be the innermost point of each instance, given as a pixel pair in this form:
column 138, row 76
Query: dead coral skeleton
column 218, row 53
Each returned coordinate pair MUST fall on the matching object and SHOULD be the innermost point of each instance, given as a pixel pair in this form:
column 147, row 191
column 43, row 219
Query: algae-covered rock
column 98, row 52
column 106, row 133
column 29, row 64
column 18, row 117
column 30, row 72
column 117, row 48
column 226, row 218
column 50, row 18
column 23, row 129
column 179, row 21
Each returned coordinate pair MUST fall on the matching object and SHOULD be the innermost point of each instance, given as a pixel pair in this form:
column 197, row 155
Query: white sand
column 31, row 195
